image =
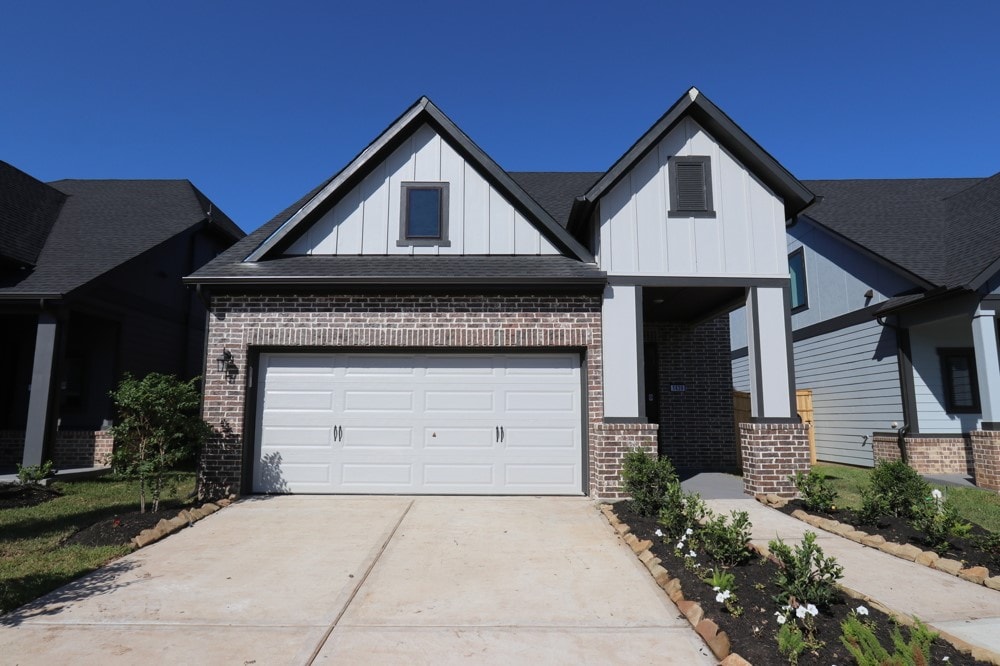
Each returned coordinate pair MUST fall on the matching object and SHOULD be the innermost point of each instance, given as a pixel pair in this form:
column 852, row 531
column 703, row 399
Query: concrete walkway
column 373, row 580
column 965, row 610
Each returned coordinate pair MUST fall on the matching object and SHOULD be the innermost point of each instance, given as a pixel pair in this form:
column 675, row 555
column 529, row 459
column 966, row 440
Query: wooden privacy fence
column 803, row 405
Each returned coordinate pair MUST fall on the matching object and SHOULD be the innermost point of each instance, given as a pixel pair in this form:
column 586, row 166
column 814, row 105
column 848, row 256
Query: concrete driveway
column 373, row 580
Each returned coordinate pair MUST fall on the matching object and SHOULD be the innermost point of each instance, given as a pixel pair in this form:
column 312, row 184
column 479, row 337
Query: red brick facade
column 986, row 457
column 72, row 449
column 773, row 452
column 241, row 323
column 696, row 430
column 927, row 454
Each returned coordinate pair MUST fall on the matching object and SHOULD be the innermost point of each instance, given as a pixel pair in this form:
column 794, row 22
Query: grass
column 977, row 506
column 33, row 559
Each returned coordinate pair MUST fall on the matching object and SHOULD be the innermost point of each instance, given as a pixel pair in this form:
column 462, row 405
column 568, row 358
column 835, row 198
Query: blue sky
column 257, row 102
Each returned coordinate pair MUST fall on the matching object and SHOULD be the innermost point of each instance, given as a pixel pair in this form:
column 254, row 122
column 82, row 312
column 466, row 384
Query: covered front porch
column 667, row 362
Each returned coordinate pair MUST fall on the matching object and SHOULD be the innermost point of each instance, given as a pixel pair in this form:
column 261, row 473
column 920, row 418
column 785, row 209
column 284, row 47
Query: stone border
column 716, row 640
column 186, row 517
column 909, row 552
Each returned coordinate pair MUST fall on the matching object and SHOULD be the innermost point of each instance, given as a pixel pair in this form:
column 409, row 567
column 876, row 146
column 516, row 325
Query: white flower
column 680, row 544
column 716, row 589
column 945, row 658
column 689, row 531
column 861, row 610
column 691, row 553
column 658, row 532
column 781, row 618
column 720, row 597
column 800, row 612
column 936, row 494
column 812, row 610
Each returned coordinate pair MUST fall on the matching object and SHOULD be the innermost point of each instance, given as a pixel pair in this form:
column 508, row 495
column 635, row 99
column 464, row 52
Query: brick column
column 885, row 447
column 772, row 452
column 986, row 458
column 609, row 443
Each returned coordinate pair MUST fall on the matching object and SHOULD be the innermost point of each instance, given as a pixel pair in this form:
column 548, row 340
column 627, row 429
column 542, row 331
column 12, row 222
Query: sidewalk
column 965, row 610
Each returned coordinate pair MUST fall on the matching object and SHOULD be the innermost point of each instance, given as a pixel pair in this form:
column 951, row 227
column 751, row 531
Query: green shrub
column 805, row 575
column 158, row 427
column 34, row 474
column 894, row 489
column 860, row 640
column 680, row 511
column 791, row 642
column 726, row 542
column 647, row 479
column 989, row 543
column 938, row 520
column 817, row 492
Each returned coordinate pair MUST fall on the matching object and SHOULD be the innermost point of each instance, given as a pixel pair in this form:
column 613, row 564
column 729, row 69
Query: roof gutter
column 381, row 280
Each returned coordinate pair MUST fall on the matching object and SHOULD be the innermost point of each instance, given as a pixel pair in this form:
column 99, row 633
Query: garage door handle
column 502, row 435
column 340, row 433
column 498, row 434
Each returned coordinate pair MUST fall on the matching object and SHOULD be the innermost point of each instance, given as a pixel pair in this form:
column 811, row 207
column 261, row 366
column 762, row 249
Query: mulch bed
column 898, row 530
column 16, row 495
column 120, row 529
column 752, row 634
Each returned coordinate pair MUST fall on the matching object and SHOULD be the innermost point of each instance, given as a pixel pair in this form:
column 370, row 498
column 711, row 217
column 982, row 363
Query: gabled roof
column 105, row 223
column 28, row 209
column 556, row 190
column 945, row 232
column 423, row 111
column 695, row 105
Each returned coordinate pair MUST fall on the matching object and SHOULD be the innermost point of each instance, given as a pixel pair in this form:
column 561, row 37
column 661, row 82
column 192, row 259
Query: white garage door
column 432, row 423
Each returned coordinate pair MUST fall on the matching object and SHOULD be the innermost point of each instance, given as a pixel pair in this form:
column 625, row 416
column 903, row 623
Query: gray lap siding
column 245, row 323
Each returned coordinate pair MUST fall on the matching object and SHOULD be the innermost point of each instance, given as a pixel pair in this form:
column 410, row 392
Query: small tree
column 158, row 426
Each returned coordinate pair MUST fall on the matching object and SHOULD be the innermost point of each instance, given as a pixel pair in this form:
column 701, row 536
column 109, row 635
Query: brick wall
column 773, row 452
column 986, row 457
column 470, row 322
column 609, row 443
column 927, row 454
column 72, row 448
column 696, row 425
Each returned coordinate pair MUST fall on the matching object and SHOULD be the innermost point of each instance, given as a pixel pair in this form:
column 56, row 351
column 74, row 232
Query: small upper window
column 961, row 386
column 691, row 186
column 797, row 273
column 424, row 214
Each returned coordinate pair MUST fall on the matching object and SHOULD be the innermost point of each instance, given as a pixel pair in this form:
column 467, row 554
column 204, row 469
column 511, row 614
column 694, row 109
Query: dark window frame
column 405, row 239
column 968, row 353
column 675, row 210
column 804, row 305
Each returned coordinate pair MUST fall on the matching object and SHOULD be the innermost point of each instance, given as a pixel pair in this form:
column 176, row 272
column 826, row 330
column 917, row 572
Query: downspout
column 904, row 387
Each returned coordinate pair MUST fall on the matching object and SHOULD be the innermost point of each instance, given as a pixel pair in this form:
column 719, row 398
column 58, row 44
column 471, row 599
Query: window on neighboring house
column 690, row 186
column 797, row 273
column 424, row 214
column 961, row 387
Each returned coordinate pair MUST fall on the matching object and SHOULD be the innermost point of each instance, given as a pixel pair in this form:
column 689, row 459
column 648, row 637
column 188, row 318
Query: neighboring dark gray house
column 894, row 297
column 90, row 289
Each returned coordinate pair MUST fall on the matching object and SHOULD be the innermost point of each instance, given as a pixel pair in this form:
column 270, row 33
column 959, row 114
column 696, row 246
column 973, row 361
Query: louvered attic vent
column 691, row 187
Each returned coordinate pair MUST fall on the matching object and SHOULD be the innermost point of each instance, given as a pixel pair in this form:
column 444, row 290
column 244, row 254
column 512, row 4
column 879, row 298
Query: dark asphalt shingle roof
column 28, row 208
column 555, row 191
column 942, row 230
column 105, row 223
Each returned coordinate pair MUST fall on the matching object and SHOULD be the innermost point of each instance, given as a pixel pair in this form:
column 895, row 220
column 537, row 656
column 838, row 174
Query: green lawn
column 33, row 560
column 978, row 506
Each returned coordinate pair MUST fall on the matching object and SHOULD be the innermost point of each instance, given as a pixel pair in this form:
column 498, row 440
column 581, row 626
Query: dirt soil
column 752, row 634
column 16, row 495
column 965, row 549
column 120, row 529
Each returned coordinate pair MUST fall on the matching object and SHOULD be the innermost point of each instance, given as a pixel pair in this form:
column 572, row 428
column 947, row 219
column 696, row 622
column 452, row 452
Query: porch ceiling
column 688, row 304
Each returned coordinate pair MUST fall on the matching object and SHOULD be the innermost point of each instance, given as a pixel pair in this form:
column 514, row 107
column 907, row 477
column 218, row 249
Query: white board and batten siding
column 745, row 238
column 367, row 219
column 928, row 382
column 854, row 378
column 415, row 424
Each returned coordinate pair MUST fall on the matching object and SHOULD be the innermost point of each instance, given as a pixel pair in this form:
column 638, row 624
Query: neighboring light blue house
column 894, row 292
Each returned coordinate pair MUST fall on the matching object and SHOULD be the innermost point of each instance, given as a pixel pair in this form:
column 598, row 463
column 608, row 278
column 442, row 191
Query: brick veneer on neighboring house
column 73, row 448
column 927, row 454
column 498, row 323
column 773, row 452
column 696, row 424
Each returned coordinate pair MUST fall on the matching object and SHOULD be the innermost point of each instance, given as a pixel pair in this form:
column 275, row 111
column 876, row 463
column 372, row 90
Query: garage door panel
column 534, row 402
column 377, row 475
column 377, row 401
column 482, row 437
column 427, row 423
column 376, row 437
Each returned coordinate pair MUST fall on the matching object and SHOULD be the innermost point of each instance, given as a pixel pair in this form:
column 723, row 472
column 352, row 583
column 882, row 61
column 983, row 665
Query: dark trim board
column 822, row 328
column 690, row 281
column 904, row 356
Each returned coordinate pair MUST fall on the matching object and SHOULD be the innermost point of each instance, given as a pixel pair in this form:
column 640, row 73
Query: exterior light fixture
column 224, row 362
